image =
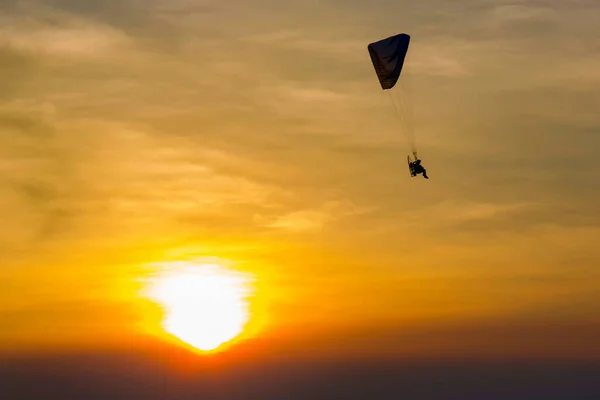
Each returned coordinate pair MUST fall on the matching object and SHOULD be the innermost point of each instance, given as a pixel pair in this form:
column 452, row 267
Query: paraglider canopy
column 388, row 58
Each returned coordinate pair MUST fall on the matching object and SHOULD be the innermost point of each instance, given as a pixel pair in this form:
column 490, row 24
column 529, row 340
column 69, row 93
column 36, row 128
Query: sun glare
column 205, row 305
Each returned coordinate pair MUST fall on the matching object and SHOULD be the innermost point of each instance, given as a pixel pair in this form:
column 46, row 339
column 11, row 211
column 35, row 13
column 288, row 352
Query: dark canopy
column 388, row 58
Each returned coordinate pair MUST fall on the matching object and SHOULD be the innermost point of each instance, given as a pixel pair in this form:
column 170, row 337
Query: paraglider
column 388, row 56
column 415, row 167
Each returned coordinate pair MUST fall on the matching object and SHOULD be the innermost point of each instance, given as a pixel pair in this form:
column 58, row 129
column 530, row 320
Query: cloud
column 446, row 58
column 301, row 221
column 509, row 13
column 308, row 220
column 86, row 42
column 67, row 36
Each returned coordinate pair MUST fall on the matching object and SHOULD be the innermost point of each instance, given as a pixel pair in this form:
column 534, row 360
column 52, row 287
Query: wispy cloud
column 76, row 42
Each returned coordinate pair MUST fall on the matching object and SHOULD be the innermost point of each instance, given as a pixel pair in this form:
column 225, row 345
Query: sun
column 205, row 305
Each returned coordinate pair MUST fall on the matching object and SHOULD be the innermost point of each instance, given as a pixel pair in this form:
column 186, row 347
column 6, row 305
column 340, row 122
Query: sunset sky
column 140, row 136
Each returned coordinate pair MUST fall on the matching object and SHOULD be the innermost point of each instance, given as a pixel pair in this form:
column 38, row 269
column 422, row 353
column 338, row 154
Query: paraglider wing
column 388, row 58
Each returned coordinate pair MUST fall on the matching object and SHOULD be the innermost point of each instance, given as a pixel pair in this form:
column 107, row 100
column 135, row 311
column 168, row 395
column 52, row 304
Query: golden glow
column 205, row 305
column 294, row 176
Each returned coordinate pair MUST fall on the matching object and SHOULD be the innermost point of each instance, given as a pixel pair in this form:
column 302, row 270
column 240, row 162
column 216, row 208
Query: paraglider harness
column 415, row 167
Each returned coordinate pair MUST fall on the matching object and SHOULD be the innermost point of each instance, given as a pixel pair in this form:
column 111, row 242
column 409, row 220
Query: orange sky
column 135, row 134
